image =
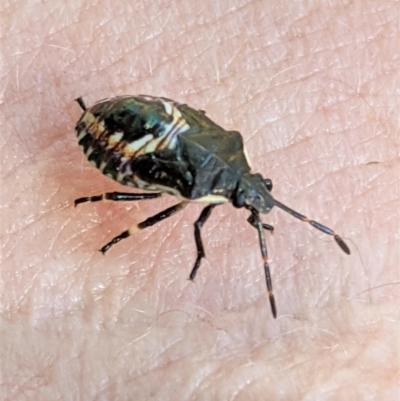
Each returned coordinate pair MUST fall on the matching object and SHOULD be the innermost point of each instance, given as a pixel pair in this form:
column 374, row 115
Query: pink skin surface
column 314, row 89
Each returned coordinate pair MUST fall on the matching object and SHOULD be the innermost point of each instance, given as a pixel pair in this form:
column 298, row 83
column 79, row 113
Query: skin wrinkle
column 28, row 222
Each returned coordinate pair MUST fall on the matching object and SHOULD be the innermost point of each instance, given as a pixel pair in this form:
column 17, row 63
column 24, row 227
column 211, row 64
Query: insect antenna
column 316, row 225
column 81, row 103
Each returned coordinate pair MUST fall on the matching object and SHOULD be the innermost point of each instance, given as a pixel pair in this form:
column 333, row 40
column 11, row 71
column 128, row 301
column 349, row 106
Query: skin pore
column 314, row 91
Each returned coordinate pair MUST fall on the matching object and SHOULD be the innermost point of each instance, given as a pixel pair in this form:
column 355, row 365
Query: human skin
column 315, row 92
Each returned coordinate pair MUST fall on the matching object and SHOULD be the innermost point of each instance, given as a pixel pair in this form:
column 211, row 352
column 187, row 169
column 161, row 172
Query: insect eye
column 268, row 184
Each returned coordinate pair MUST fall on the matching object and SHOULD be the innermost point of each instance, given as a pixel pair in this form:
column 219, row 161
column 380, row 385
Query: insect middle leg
column 117, row 196
column 205, row 214
column 144, row 224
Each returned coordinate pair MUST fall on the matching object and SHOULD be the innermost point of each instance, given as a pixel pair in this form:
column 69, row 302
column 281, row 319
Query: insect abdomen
column 114, row 132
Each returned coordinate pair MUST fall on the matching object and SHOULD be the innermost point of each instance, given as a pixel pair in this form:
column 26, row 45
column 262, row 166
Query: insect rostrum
column 159, row 145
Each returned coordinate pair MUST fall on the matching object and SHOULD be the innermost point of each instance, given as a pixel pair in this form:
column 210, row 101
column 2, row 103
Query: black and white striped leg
column 144, row 224
column 117, row 196
column 256, row 222
column 205, row 214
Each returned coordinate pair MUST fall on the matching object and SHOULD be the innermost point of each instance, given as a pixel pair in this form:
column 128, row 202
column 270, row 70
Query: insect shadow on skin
column 157, row 144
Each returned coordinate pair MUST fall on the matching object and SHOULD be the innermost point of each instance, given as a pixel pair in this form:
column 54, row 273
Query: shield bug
column 159, row 145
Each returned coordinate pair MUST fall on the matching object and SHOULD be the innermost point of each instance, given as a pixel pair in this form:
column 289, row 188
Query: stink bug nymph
column 159, row 145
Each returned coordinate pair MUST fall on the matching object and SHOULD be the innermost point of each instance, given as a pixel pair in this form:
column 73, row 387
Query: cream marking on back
column 133, row 149
column 89, row 151
column 149, row 144
column 115, row 138
column 93, row 126
column 80, row 134
column 246, row 156
column 103, row 165
column 168, row 107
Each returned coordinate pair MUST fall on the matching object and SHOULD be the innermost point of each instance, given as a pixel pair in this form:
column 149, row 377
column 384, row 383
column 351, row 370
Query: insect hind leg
column 205, row 214
column 117, row 196
column 144, row 224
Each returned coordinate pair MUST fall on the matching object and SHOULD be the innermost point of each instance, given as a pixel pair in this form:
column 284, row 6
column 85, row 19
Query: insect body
column 162, row 146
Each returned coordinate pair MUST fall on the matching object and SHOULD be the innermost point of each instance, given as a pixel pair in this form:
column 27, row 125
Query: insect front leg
column 256, row 222
column 117, row 196
column 205, row 214
column 144, row 224
column 265, row 226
